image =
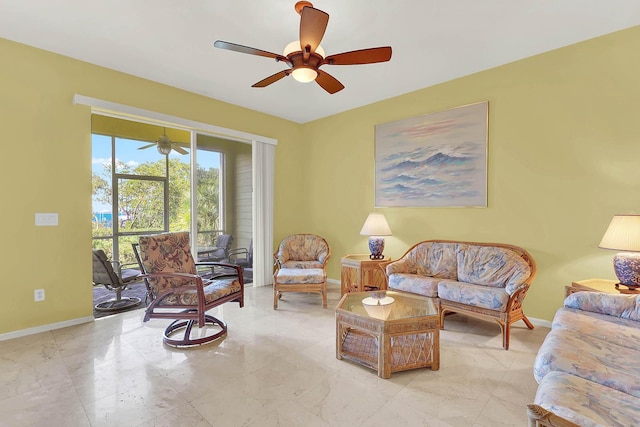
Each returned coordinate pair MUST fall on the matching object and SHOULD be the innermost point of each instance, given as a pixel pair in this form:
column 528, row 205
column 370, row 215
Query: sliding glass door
column 208, row 192
column 139, row 190
column 204, row 185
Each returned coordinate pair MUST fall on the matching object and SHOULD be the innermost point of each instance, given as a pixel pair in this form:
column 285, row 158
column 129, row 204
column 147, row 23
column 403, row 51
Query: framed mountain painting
column 435, row 160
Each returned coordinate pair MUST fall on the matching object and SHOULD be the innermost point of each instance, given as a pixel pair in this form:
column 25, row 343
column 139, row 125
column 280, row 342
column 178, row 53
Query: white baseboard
column 333, row 281
column 540, row 322
column 45, row 328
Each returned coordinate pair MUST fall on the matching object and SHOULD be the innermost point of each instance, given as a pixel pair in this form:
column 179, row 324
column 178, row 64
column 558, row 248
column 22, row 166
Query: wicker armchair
column 300, row 266
column 170, row 274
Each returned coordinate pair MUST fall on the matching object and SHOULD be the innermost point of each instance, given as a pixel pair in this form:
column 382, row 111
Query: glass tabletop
column 388, row 305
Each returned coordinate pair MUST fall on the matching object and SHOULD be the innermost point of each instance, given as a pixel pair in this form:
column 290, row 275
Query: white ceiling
column 171, row 41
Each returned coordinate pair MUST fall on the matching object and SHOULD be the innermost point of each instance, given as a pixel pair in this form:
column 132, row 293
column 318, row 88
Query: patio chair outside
column 242, row 256
column 219, row 252
column 105, row 274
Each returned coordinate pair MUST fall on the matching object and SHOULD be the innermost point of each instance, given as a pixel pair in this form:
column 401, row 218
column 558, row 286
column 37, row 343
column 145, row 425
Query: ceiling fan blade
column 179, row 149
column 328, row 82
column 250, row 50
column 364, row 56
column 272, row 79
column 313, row 23
column 147, row 146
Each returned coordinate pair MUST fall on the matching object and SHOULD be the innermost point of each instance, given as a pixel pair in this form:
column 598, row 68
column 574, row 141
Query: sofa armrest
column 399, row 266
column 618, row 305
column 538, row 416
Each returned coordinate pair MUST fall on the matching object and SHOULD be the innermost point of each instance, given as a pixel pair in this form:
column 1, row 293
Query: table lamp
column 623, row 234
column 375, row 227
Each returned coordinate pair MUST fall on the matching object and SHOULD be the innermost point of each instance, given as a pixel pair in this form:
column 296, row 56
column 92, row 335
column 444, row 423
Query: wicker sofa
column 486, row 280
column 587, row 369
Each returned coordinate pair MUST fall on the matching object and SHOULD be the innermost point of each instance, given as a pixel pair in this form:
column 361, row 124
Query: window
column 137, row 190
column 208, row 195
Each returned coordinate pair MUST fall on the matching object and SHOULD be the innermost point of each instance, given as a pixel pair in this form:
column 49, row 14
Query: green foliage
column 208, row 196
column 141, row 201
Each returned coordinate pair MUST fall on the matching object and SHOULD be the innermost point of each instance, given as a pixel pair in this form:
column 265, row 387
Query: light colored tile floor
column 275, row 368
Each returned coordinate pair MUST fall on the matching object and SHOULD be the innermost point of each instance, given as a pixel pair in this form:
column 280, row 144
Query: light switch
column 46, row 219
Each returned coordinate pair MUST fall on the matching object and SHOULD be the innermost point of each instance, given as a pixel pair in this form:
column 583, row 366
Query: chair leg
column 324, row 297
column 119, row 303
column 442, row 311
column 527, row 322
column 275, row 298
column 172, row 338
column 506, row 331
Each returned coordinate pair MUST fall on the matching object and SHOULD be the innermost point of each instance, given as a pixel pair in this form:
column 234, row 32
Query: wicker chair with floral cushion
column 172, row 280
column 300, row 266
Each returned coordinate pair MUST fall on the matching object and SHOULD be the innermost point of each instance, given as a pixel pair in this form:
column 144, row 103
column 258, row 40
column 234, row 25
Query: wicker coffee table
column 402, row 335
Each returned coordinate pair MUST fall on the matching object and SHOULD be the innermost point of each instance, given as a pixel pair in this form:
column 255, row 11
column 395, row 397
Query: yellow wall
column 45, row 166
column 564, row 144
column 563, row 147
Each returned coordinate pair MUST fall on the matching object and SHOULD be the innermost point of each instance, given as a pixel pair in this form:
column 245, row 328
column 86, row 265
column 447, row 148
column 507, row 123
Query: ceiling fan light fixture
column 294, row 46
column 304, row 75
column 305, row 56
column 164, row 148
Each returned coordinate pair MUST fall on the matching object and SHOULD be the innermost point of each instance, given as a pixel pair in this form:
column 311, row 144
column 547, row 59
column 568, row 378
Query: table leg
column 338, row 341
column 435, row 349
column 384, row 356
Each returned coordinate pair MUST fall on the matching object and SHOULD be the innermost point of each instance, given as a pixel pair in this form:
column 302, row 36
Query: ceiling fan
column 306, row 56
column 165, row 145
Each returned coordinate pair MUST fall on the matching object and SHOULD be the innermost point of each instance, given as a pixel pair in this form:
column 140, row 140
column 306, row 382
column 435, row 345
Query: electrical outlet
column 38, row 295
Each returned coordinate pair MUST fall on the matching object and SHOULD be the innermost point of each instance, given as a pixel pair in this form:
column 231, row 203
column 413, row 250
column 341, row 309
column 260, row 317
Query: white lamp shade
column 304, row 75
column 375, row 225
column 379, row 308
column 294, row 46
column 623, row 234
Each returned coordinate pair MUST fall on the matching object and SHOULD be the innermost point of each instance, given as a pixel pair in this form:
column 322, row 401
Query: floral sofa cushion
column 298, row 275
column 492, row 266
column 431, row 259
column 617, row 305
column 437, row 259
column 616, row 330
column 586, row 403
column 473, row 295
column 301, row 264
column 415, row 283
column 406, row 264
column 590, row 358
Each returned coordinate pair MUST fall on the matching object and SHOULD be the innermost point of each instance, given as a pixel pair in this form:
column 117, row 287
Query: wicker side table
column 359, row 274
column 598, row 285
